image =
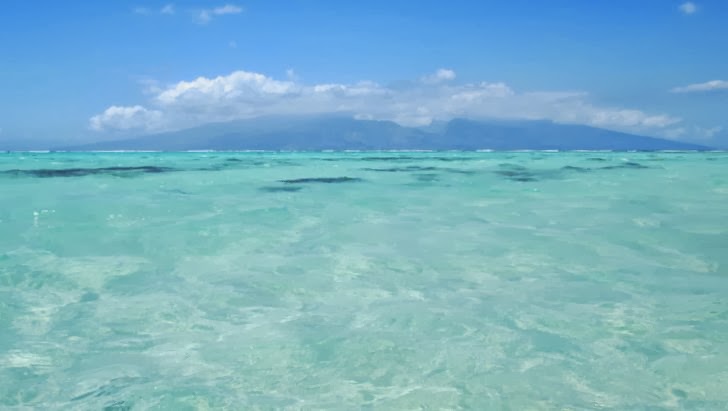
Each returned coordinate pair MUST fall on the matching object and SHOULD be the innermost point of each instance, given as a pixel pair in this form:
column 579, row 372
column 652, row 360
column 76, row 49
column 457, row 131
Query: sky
column 85, row 71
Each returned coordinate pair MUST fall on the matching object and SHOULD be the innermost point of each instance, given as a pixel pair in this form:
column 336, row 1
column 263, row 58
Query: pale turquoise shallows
column 364, row 281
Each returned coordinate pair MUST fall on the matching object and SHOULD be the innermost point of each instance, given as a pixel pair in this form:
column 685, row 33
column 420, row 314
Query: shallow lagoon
column 386, row 280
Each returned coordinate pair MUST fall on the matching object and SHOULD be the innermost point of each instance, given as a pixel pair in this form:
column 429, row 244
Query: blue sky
column 99, row 70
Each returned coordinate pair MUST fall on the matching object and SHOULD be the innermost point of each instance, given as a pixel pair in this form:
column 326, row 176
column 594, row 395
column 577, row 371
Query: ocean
column 364, row 280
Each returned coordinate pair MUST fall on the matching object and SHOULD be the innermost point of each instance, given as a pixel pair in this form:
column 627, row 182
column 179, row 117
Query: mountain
column 19, row 144
column 545, row 135
column 341, row 133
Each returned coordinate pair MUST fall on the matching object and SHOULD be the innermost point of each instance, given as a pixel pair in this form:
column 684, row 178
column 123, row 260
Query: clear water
column 421, row 281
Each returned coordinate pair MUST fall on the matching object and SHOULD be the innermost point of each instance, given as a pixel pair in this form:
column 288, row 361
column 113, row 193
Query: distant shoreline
column 355, row 151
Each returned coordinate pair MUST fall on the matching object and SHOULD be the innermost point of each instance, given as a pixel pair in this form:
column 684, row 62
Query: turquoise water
column 364, row 281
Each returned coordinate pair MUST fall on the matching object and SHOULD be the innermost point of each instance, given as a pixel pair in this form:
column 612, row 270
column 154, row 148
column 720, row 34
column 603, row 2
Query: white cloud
column 693, row 133
column 707, row 86
column 205, row 16
column 712, row 131
column 149, row 86
column 236, row 87
column 141, row 10
column 227, row 9
column 483, row 91
column 202, row 16
column 126, row 118
column 688, row 8
column 244, row 94
column 440, row 76
column 630, row 118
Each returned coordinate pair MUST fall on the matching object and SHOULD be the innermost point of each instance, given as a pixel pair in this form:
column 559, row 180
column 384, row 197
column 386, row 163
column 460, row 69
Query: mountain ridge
column 342, row 133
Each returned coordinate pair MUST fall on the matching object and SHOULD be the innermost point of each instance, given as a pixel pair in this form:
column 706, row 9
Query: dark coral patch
column 284, row 189
column 324, row 180
column 626, row 165
column 577, row 169
column 80, row 172
column 401, row 169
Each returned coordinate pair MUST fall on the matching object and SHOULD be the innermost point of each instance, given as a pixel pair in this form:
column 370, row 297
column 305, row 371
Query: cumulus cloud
column 238, row 86
column 126, row 118
column 167, row 9
column 439, row 76
column 205, row 16
column 688, row 8
column 245, row 94
column 698, row 87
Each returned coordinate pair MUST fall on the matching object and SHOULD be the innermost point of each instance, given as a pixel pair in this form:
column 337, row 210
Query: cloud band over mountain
column 245, row 94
